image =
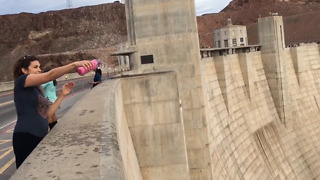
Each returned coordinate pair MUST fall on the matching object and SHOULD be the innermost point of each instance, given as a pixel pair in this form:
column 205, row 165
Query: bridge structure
column 181, row 114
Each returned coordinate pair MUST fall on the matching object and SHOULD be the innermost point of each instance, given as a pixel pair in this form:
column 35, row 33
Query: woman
column 31, row 105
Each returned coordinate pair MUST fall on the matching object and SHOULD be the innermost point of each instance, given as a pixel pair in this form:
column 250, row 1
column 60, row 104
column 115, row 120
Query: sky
column 37, row 6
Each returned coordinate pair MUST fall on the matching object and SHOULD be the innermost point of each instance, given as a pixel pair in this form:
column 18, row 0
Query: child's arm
column 66, row 89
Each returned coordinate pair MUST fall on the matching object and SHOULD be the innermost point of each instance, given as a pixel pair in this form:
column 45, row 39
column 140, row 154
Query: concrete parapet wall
column 92, row 141
column 6, row 86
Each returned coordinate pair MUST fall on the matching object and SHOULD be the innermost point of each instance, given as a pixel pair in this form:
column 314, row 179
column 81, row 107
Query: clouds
column 37, row 6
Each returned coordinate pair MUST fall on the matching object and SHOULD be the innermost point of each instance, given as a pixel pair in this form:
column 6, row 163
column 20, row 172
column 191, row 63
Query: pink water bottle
column 82, row 71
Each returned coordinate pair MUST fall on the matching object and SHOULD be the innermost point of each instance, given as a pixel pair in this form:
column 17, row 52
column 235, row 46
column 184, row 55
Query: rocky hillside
column 59, row 37
column 62, row 36
column 249, row 4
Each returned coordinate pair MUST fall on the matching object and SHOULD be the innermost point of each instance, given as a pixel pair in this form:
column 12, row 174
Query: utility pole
column 69, row 5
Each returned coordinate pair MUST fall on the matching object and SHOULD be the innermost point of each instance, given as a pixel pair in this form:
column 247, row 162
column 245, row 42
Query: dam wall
column 247, row 139
column 238, row 103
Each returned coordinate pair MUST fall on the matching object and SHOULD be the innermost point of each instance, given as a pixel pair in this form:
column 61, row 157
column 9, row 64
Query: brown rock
column 59, row 37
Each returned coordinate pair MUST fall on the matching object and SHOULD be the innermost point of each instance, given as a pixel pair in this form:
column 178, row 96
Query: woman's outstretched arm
column 38, row 79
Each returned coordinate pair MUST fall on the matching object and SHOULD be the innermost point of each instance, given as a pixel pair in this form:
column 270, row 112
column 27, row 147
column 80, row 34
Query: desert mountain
column 62, row 36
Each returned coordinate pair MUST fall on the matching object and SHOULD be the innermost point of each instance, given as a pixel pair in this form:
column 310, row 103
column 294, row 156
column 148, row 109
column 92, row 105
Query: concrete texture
column 156, row 126
column 230, row 36
column 167, row 30
column 247, row 138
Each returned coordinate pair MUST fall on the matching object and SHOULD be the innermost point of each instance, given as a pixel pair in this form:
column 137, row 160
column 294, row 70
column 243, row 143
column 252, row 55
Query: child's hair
column 23, row 62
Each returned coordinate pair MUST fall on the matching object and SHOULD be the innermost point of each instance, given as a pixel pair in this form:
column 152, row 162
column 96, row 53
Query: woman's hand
column 67, row 88
column 85, row 63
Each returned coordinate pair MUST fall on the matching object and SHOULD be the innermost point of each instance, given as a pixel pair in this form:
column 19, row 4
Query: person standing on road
column 31, row 105
column 96, row 78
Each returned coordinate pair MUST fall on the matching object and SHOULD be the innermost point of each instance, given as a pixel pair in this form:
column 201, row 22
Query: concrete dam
column 183, row 112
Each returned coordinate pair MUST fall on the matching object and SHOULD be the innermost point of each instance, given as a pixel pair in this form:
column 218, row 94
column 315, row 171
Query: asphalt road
column 8, row 120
